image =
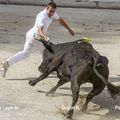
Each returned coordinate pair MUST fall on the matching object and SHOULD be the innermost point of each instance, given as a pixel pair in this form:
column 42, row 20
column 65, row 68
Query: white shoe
column 4, row 67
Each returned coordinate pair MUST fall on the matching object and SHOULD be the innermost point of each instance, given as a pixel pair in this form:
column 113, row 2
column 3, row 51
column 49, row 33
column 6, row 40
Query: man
column 43, row 20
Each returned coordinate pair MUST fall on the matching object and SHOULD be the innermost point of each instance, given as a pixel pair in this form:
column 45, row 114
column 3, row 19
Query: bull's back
column 63, row 46
column 79, row 52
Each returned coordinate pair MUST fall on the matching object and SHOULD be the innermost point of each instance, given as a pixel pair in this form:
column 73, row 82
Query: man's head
column 51, row 8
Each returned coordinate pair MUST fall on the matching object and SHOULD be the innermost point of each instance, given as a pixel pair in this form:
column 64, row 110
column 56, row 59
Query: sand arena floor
column 18, row 100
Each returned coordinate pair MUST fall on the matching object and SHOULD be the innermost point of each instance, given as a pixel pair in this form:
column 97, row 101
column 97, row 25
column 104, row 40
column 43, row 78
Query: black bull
column 77, row 62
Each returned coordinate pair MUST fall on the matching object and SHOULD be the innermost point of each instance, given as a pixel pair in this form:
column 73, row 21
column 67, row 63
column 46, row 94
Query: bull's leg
column 60, row 83
column 76, row 81
column 40, row 78
column 40, row 69
column 50, row 68
column 104, row 60
column 75, row 91
column 97, row 89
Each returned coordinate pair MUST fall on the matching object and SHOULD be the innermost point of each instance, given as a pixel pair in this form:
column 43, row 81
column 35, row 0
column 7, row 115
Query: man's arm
column 42, row 34
column 63, row 23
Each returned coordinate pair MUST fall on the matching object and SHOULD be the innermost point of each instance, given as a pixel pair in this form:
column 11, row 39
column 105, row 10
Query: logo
column 117, row 107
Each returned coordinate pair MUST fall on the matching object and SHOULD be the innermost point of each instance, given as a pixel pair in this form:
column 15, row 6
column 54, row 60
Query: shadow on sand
column 31, row 78
column 104, row 99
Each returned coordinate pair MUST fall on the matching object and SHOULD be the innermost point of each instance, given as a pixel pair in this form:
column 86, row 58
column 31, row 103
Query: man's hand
column 46, row 38
column 71, row 32
column 41, row 33
column 38, row 37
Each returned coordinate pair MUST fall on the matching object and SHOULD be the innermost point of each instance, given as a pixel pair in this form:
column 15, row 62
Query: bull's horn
column 87, row 39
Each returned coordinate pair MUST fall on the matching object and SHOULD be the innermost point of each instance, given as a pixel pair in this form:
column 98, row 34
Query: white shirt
column 43, row 20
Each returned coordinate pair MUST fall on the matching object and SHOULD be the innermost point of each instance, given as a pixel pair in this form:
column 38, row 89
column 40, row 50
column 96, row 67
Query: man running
column 42, row 22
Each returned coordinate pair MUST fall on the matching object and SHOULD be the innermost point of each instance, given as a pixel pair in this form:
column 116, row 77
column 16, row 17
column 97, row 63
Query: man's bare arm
column 42, row 34
column 63, row 23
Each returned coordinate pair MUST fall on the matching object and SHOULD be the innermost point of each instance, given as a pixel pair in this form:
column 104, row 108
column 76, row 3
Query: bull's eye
column 50, row 60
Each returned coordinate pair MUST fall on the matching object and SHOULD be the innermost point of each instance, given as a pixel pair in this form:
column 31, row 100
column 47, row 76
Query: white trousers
column 26, row 52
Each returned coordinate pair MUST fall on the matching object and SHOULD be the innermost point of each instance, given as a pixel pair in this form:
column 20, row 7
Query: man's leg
column 40, row 48
column 19, row 56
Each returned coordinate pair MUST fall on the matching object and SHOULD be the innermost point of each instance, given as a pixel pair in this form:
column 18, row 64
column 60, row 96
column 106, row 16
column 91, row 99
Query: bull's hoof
column 84, row 108
column 68, row 117
column 32, row 82
column 40, row 69
column 50, row 94
column 96, row 107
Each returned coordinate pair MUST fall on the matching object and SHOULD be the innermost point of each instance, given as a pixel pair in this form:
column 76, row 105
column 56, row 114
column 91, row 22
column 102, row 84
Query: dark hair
column 52, row 4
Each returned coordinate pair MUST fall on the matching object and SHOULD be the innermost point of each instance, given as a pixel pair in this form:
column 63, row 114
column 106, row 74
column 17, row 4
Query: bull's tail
column 114, row 90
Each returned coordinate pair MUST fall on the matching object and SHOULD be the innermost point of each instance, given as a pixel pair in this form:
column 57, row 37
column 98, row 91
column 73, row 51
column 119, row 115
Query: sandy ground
column 18, row 100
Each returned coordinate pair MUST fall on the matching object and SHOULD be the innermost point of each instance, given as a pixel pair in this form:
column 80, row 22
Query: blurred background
column 69, row 3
